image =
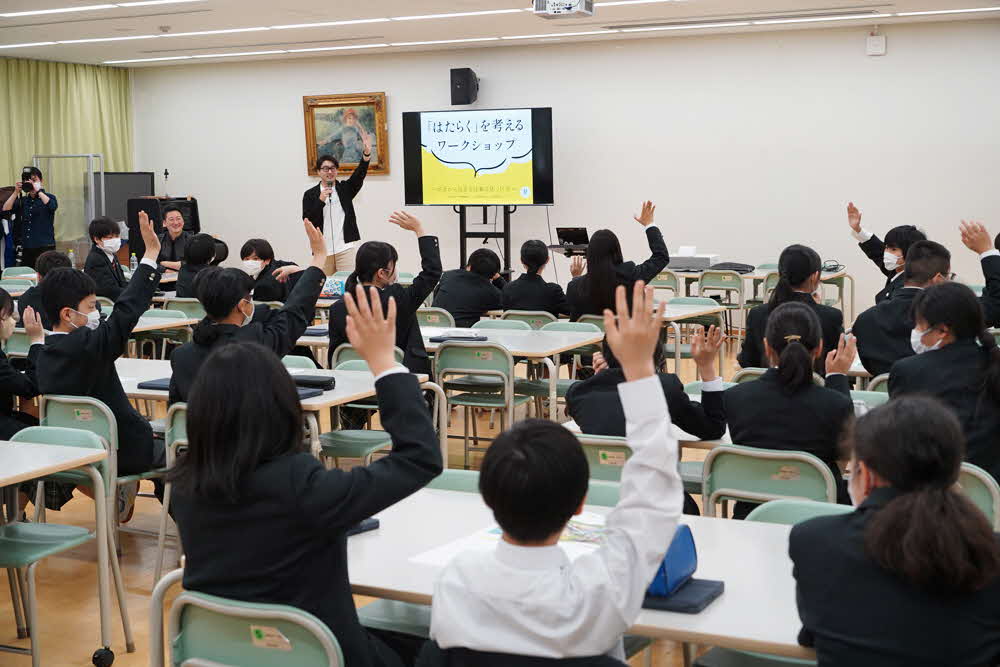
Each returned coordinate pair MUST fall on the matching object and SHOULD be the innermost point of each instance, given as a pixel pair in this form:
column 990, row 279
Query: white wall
column 746, row 142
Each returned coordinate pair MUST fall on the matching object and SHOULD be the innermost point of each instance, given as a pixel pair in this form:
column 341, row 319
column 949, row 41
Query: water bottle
column 133, row 263
column 72, row 258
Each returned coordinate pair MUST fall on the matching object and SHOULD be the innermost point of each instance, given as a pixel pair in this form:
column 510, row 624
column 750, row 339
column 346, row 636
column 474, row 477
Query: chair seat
column 693, row 475
column 723, row 657
column 22, row 544
column 149, row 474
column 634, row 644
column 485, row 400
column 475, row 383
column 540, row 388
column 394, row 616
column 353, row 443
column 363, row 406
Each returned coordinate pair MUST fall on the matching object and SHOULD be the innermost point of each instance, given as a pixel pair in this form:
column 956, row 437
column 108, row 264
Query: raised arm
column 9, row 204
column 430, row 260
column 839, row 362
column 659, row 257
column 869, row 243
column 977, row 239
column 357, row 177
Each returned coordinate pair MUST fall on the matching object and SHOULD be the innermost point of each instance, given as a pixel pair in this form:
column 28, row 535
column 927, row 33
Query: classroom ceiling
column 149, row 33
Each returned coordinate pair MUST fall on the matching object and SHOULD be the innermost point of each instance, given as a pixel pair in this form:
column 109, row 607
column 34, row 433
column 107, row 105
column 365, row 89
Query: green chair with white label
column 607, row 454
column 435, row 317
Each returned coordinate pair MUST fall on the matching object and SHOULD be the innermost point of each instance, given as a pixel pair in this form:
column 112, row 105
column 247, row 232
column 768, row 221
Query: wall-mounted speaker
column 464, row 86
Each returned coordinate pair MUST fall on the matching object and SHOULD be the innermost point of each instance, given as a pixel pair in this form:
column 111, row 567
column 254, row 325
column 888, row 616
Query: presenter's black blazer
column 347, row 190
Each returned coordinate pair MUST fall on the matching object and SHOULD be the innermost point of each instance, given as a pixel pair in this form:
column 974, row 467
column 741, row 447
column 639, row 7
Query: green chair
column 839, row 284
column 538, row 388
column 606, row 456
column 175, row 439
column 879, row 383
column 982, row 490
column 211, row 631
column 871, row 399
column 12, row 285
column 587, row 350
column 296, row 361
column 106, row 303
column 273, row 305
column 694, row 388
column 757, row 475
column 726, row 283
column 404, row 278
column 346, row 352
column 481, row 384
column 667, row 280
column 679, row 350
column 19, row 273
column 17, row 345
column 191, row 308
column 163, row 336
column 748, row 375
column 509, row 324
column 536, row 319
column 453, row 479
column 976, row 289
column 435, row 317
column 770, row 268
column 354, row 443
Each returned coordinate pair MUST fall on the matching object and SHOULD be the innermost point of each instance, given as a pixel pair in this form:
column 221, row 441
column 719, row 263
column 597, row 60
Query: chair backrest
column 748, row 374
column 666, row 280
column 210, row 630
column 352, row 365
column 66, row 437
column 599, row 492
column 11, row 284
column 79, row 412
column 346, row 352
column 493, row 359
column 582, row 327
column 767, row 266
column 515, row 325
column 190, row 307
column 536, row 319
column 25, row 272
column 273, row 305
column 596, row 320
column 105, row 302
column 606, row 455
column 791, row 512
column 297, row 361
column 176, row 423
column 723, row 281
column 166, row 314
column 18, row 344
column 879, row 383
column 770, row 283
column 703, row 320
column 871, row 399
column 982, row 490
column 434, row 317
column 733, row 472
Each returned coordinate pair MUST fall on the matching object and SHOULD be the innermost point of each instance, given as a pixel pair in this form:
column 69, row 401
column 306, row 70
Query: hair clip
column 789, row 339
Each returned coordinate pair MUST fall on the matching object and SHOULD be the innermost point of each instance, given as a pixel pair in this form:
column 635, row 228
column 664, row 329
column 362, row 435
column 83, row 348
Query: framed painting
column 336, row 125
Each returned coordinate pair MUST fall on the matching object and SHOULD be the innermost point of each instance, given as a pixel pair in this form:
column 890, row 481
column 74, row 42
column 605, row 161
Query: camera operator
column 36, row 211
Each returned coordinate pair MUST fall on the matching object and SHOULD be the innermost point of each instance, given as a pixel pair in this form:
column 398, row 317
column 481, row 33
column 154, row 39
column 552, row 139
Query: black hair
column 51, row 259
column 65, row 288
column 534, row 255
column 534, row 477
column 327, row 158
column 34, row 171
column 659, row 356
column 102, row 228
column 793, row 333
column 903, row 237
column 258, row 247
column 930, row 535
column 220, row 290
column 370, row 257
column 170, row 209
column 957, row 306
column 795, row 266
column 221, row 252
column 200, row 249
column 924, row 260
column 604, row 253
column 996, row 241
column 484, row 262
column 260, row 421
column 7, row 304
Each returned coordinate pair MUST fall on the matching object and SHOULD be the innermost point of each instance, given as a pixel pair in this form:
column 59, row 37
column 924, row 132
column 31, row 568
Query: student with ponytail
column 799, row 269
column 912, row 576
column 958, row 362
column 530, row 291
column 784, row 409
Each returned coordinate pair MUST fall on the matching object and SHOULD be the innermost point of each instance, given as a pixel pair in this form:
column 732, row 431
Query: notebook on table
column 316, row 331
column 162, row 384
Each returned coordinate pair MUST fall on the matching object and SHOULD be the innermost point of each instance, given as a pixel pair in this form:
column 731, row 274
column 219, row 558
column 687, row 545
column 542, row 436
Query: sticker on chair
column 83, row 414
column 265, row 636
column 485, row 355
column 433, row 318
column 787, row 473
column 611, row 458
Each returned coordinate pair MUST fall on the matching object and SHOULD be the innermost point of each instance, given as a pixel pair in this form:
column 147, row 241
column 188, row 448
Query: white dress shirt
column 333, row 224
column 533, row 601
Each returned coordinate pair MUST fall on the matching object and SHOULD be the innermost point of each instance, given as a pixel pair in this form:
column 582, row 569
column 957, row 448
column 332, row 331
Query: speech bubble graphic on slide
column 484, row 141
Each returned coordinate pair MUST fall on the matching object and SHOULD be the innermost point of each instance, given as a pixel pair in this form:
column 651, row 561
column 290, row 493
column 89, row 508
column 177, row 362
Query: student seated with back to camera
column 469, row 293
column 525, row 597
column 198, row 255
column 102, row 263
column 530, row 291
column 260, row 517
column 225, row 294
column 32, row 297
column 889, row 256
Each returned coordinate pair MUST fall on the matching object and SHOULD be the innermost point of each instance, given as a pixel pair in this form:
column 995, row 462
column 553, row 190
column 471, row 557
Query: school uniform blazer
column 856, row 613
column 267, row 288
column 628, row 272
column 285, row 540
column 954, row 374
column 874, row 249
column 33, row 297
column 347, row 190
column 16, row 383
column 532, row 292
column 595, row 407
column 408, row 299
column 883, row 331
column 82, row 363
column 990, row 298
column 752, row 355
column 185, row 280
column 277, row 330
column 468, row 296
column 106, row 272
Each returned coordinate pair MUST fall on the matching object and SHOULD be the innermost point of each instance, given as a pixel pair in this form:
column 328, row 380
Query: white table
column 756, row 612
column 22, row 462
column 158, row 323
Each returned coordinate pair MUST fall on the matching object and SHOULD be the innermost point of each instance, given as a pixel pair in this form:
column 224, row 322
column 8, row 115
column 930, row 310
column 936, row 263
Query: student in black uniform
column 225, row 294
column 977, row 239
column 530, row 291
column 13, row 382
column 784, row 409
column 79, row 355
column 198, row 255
column 469, row 293
column 799, row 267
column 912, row 576
column 883, row 331
column 375, row 266
column 594, row 291
column 957, row 361
column 102, row 262
column 889, row 256
column 270, row 276
column 261, row 519
column 32, row 297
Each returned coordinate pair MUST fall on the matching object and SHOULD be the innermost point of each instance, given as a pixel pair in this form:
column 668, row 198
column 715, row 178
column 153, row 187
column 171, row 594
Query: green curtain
column 61, row 108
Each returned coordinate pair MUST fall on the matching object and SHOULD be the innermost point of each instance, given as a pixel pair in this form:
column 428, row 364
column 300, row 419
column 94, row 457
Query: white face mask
column 890, row 261
column 917, row 343
column 93, row 319
column 252, row 266
column 247, row 318
column 7, row 327
column 111, row 245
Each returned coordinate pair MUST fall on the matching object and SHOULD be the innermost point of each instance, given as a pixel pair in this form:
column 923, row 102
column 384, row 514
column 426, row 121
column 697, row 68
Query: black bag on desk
column 162, row 384
column 306, row 392
column 324, row 382
column 673, row 587
column 733, row 266
column 316, row 331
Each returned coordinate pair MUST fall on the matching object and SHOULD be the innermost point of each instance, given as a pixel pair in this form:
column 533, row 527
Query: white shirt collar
column 531, row 558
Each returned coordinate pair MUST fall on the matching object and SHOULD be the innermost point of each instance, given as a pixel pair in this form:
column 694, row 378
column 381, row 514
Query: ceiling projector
column 563, row 9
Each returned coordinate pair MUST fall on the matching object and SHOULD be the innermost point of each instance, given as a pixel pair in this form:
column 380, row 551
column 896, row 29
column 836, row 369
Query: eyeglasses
column 328, row 169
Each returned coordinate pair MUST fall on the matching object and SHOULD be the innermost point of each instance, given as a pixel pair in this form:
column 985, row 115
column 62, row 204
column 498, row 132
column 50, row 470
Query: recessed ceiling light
column 326, row 23
column 21, row 46
column 338, row 48
column 144, row 3
column 813, row 19
column 561, row 34
column 145, row 60
column 213, row 32
column 447, row 41
column 244, row 53
column 689, row 26
column 60, row 10
column 628, row 2
column 950, row 11
column 454, row 14
column 104, row 39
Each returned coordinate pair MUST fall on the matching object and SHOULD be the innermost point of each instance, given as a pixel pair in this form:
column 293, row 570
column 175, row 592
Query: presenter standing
column 330, row 206
column 36, row 213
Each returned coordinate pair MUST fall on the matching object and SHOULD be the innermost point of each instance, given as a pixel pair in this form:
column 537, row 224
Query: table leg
column 314, row 432
column 553, row 386
column 103, row 555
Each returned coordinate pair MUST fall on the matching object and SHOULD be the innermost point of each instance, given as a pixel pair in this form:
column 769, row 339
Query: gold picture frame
column 327, row 119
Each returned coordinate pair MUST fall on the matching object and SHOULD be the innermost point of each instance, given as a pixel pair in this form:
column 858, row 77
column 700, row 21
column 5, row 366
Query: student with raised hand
column 958, row 362
column 260, row 517
column 977, row 239
column 530, row 291
column 78, row 357
column 912, row 576
column 225, row 294
column 32, row 297
column 469, row 293
column 102, row 263
column 783, row 409
column 889, row 256
column 375, row 266
column 799, row 269
column 525, row 597
column 883, row 331
column 14, row 382
column 594, row 291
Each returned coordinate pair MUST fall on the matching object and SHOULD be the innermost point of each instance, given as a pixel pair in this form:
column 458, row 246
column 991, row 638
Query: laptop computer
column 572, row 240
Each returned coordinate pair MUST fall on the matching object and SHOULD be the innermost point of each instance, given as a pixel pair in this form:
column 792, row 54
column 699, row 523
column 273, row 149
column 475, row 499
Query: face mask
column 93, row 319
column 889, row 261
column 111, row 245
column 7, row 328
column 917, row 343
column 252, row 266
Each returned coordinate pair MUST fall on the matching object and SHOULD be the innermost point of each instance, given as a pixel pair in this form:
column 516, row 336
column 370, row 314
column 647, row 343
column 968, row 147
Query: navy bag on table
column 674, row 587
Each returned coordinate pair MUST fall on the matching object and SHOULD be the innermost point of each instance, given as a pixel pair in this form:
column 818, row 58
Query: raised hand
column 408, row 222
column 149, row 237
column 366, row 139
column 598, row 362
column 19, row 187
column 633, row 336
column 841, row 359
column 33, row 326
column 317, row 244
column 975, row 237
column 853, row 217
column 645, row 217
column 371, row 334
column 705, row 350
column 577, row 266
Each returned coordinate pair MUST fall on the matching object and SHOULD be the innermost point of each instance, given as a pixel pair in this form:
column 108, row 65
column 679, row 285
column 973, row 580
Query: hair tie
column 789, row 339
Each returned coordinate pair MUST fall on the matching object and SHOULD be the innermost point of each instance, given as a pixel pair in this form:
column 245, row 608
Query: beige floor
column 69, row 631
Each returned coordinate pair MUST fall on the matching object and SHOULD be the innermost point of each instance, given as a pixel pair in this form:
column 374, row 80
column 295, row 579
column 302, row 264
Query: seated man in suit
column 469, row 293
column 889, row 256
column 102, row 262
column 32, row 297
